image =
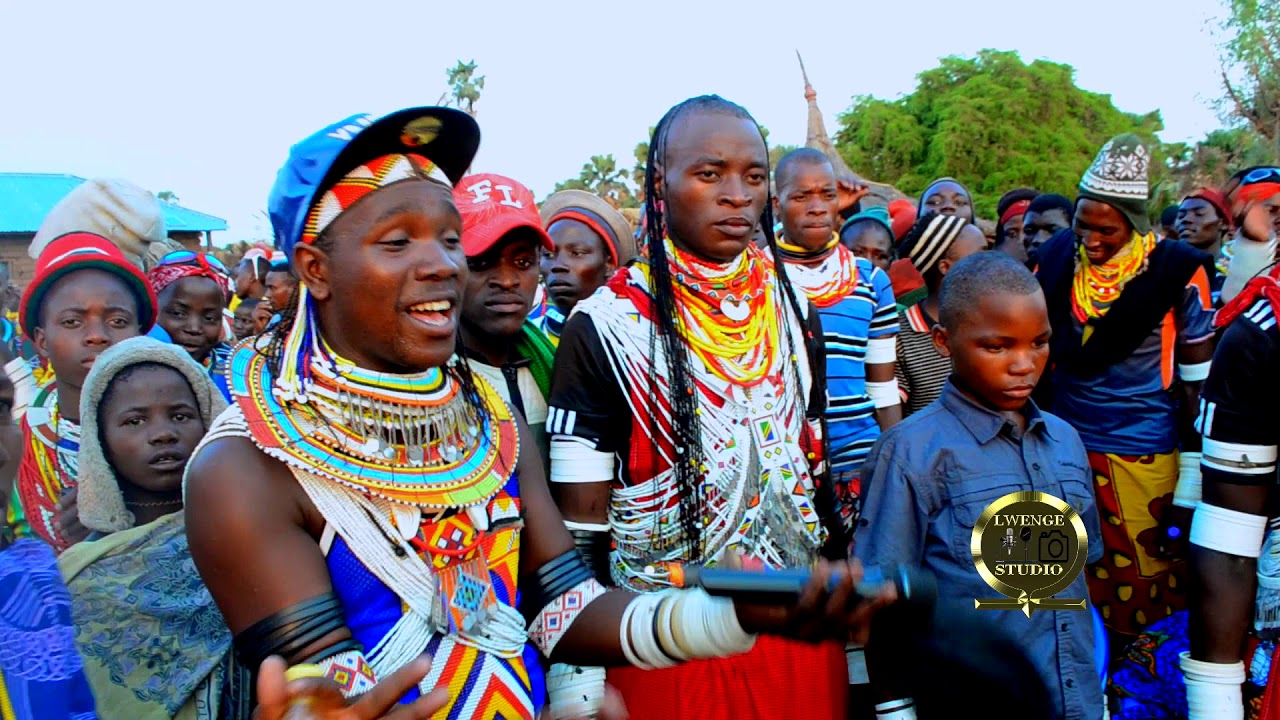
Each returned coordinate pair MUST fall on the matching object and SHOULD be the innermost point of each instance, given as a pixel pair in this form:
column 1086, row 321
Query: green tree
column 993, row 122
column 1209, row 162
column 464, row 87
column 1251, row 72
column 167, row 196
column 601, row 176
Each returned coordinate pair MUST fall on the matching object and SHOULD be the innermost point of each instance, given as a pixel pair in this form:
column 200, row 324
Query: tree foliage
column 1251, row 73
column 464, row 87
column 993, row 122
column 167, row 196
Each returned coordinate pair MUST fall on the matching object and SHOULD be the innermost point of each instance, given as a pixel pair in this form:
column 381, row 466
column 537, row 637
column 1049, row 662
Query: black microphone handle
column 913, row 585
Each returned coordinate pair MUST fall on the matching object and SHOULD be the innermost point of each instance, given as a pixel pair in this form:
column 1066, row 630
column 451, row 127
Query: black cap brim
column 445, row 136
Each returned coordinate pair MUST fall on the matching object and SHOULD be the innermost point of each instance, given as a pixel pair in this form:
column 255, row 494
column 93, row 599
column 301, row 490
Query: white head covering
column 118, row 210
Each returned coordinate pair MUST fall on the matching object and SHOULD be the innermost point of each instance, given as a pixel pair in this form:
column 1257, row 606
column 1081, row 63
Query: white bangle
column 573, row 460
column 884, row 394
column 1194, row 373
column 882, row 350
column 1213, row 689
column 1187, row 492
column 896, row 710
column 574, row 692
column 1228, row 531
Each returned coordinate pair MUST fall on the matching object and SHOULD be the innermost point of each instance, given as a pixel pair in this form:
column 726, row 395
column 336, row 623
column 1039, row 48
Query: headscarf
column 185, row 263
column 100, row 501
column 1013, row 204
column 930, row 239
column 1118, row 177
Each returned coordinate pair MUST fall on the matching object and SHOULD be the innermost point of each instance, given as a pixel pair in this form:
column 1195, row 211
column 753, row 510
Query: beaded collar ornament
column 411, row 439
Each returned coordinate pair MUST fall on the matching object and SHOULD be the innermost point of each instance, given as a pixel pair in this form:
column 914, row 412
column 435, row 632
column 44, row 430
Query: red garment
column 777, row 679
column 1264, row 286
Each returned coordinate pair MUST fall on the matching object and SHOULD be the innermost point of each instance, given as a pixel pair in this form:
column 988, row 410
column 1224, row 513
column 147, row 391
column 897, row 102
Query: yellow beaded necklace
column 1095, row 287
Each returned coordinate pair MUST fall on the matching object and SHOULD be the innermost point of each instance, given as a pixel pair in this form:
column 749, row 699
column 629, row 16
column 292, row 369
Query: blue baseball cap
column 445, row 136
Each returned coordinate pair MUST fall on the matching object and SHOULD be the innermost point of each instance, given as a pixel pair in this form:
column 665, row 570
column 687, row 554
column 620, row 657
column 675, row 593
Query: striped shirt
column 921, row 370
column 867, row 313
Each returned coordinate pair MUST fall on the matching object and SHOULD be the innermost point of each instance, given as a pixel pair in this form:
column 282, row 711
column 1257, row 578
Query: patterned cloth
column 1131, row 585
column 551, row 323
column 153, row 642
column 162, row 276
column 363, row 180
column 41, row 675
column 49, row 467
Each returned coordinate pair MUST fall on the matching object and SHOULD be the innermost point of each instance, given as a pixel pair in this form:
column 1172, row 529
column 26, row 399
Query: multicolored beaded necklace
column 50, row 464
column 832, row 279
column 729, row 313
column 412, row 439
column 1095, row 287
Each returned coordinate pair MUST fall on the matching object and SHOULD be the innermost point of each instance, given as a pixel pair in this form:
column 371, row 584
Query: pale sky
column 205, row 99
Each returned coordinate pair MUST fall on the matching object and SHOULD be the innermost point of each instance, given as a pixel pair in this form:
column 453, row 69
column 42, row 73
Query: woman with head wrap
column 1204, row 222
column 192, row 289
column 935, row 243
column 592, row 241
column 1012, row 207
column 946, row 196
column 145, row 406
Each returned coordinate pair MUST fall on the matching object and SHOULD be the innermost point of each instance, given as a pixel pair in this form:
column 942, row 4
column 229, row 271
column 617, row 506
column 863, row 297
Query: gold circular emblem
column 420, row 131
column 1029, row 546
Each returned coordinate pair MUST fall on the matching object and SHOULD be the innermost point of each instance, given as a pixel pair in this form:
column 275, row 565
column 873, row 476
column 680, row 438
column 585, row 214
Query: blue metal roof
column 25, row 198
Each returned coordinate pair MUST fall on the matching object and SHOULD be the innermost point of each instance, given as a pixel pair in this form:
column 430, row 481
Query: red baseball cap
column 492, row 206
column 83, row 251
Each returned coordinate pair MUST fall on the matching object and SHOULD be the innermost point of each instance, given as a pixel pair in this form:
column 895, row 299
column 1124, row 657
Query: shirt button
column 1035, row 466
column 1071, row 683
column 1064, row 627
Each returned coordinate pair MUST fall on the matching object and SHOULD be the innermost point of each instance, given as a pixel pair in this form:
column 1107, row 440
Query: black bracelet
column 290, row 631
column 552, row 580
column 594, row 545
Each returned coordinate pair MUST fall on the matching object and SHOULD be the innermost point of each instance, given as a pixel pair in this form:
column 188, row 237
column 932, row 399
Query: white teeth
column 434, row 306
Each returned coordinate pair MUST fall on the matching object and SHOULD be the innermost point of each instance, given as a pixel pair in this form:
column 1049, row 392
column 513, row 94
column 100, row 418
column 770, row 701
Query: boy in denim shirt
column 931, row 476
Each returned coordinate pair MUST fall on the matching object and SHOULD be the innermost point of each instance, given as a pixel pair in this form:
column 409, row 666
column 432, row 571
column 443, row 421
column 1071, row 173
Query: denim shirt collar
column 985, row 424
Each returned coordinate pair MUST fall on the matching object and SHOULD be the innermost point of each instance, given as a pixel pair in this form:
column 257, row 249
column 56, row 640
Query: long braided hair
column 686, row 428
column 278, row 333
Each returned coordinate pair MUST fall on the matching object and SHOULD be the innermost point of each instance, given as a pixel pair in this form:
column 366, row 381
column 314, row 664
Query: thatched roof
column 818, row 139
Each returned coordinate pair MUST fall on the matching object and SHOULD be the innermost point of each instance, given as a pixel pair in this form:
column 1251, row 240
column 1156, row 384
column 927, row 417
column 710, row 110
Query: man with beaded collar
column 686, row 413
column 366, row 499
column 1132, row 320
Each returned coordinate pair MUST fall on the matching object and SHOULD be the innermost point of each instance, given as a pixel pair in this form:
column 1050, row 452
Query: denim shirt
column 929, row 478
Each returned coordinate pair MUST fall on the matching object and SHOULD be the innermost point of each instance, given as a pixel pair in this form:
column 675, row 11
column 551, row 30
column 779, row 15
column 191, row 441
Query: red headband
column 1256, row 192
column 163, row 276
column 1016, row 209
column 1214, row 198
column 604, row 234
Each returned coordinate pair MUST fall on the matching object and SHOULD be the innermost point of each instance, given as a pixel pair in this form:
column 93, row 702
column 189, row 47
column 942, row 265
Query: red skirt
column 777, row 679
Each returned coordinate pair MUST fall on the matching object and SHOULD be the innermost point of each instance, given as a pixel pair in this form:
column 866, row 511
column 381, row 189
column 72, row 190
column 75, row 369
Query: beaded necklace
column 831, row 280
column 729, row 313
column 412, row 439
column 1095, row 287
column 50, row 464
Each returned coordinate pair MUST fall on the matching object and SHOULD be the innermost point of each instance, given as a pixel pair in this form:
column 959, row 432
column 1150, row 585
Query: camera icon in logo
column 1053, row 546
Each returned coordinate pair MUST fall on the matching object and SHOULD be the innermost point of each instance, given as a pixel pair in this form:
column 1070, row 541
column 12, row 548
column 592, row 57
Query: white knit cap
column 99, row 500
column 118, row 210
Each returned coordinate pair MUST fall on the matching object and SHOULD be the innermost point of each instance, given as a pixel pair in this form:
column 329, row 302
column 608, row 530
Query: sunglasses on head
column 189, row 257
column 1262, row 174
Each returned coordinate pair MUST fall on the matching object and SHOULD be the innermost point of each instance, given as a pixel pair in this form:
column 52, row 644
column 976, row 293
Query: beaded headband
column 363, row 180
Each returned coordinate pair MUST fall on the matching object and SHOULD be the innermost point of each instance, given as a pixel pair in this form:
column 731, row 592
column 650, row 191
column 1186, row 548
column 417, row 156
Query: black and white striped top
column 921, row 370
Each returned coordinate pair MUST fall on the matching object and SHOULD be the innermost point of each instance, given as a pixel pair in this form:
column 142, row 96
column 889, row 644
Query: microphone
column 915, row 586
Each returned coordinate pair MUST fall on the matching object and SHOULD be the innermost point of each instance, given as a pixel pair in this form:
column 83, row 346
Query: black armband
column 551, row 581
column 594, row 547
column 290, row 631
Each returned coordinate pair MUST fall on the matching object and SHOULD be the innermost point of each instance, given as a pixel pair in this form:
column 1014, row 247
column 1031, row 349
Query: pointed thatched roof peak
column 818, row 139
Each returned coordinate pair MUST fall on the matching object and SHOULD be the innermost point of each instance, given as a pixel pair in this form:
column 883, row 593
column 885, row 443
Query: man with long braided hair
column 686, row 416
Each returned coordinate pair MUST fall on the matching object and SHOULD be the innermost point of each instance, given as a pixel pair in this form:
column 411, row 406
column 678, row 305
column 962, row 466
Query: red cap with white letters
column 492, row 206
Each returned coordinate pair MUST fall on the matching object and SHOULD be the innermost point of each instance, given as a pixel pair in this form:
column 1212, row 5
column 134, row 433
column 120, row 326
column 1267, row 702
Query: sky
column 205, row 99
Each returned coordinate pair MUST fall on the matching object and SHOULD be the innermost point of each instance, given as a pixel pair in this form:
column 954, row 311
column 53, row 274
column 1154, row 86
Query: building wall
column 13, row 253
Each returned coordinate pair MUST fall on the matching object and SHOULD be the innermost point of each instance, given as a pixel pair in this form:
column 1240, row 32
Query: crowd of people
column 443, row 452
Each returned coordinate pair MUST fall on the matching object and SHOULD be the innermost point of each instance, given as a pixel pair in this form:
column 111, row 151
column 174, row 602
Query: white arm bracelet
column 896, row 710
column 574, row 692
column 882, row 350
column 1194, row 373
column 661, row 629
column 1213, row 689
column 575, row 461
column 24, row 385
column 1228, row 531
column 1187, row 493
column 884, row 394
